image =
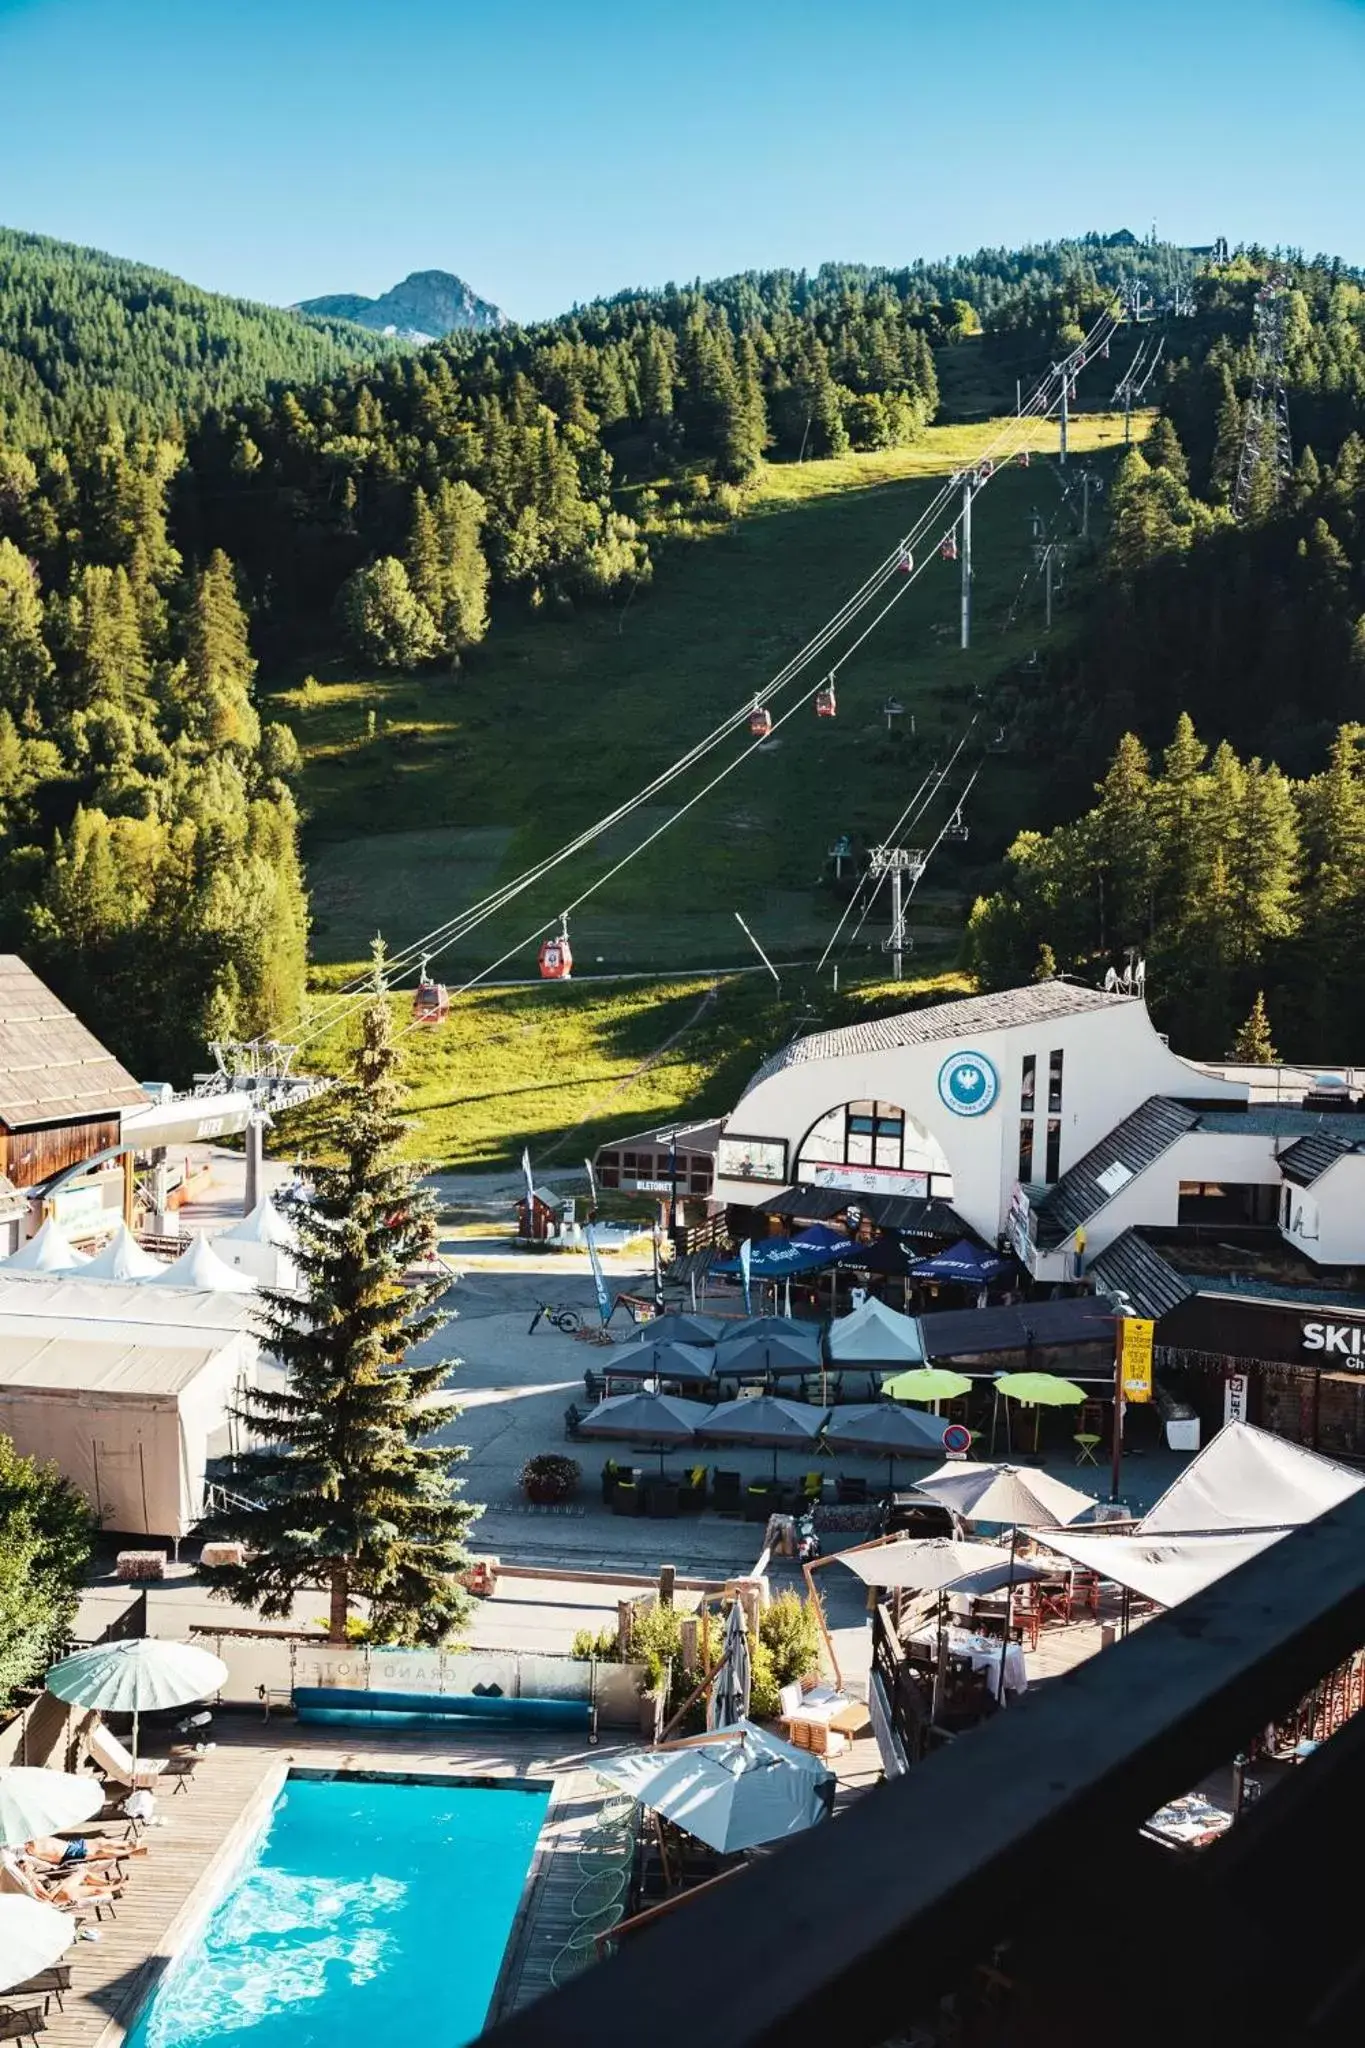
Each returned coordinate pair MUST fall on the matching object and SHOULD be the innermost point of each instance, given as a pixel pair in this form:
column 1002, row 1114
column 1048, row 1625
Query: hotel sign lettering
column 1337, row 1340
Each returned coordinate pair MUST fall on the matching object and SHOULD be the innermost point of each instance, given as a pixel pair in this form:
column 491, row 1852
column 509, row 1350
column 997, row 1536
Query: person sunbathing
column 53, row 1850
column 51, row 1887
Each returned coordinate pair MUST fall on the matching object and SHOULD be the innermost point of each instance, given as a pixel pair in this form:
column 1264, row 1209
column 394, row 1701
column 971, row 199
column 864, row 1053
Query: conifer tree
column 219, row 667
column 25, row 664
column 351, row 1494
column 384, row 620
column 1253, row 1046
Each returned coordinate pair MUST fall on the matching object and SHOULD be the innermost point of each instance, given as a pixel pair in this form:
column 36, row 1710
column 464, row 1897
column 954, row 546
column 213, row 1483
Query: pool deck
column 209, row 1823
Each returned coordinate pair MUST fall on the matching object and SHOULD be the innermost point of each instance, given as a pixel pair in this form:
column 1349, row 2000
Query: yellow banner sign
column 1137, row 1358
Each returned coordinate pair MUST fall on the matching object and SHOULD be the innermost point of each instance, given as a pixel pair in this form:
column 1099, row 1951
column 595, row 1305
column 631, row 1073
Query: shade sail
column 881, row 1426
column 1039, row 1389
column 971, row 1265
column 1164, row 1569
column 931, row 1564
column 199, row 1266
column 138, row 1676
column 695, row 1363
column 33, row 1937
column 927, row 1383
column 1245, row 1478
column 767, row 1420
column 738, row 1789
column 648, row 1418
column 49, row 1250
column 35, row 1802
column 769, row 1344
column 122, row 1258
column 875, row 1335
column 1005, row 1493
column 683, row 1329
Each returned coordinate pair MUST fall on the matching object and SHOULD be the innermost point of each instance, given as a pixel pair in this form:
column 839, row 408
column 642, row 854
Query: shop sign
column 1342, row 1340
column 1235, row 1397
column 870, row 1180
column 1137, row 1358
column 653, row 1187
column 967, row 1083
column 76, row 1205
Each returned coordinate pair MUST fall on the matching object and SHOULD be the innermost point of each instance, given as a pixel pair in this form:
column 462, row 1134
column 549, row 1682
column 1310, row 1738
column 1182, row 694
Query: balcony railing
column 1013, row 1861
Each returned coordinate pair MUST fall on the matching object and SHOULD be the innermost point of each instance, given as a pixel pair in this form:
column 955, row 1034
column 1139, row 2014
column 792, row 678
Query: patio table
column 982, row 1653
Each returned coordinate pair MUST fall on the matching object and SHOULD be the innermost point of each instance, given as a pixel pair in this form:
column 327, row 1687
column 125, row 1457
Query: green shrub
column 656, row 1642
column 790, row 1632
column 603, row 1646
column 764, row 1702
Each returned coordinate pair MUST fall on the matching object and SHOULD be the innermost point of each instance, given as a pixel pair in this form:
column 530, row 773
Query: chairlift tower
column 1049, row 557
column 1266, row 441
column 899, row 862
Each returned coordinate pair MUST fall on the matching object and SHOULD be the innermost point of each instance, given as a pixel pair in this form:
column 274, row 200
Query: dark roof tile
column 1132, row 1145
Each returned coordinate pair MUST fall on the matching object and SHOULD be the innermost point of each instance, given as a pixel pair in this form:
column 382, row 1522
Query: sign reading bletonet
column 1341, row 1340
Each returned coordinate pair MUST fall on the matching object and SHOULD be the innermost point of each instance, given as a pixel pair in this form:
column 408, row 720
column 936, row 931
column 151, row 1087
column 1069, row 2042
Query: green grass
column 562, row 1066
column 554, row 721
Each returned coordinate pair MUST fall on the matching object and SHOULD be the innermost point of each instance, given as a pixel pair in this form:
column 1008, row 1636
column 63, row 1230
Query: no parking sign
column 957, row 1440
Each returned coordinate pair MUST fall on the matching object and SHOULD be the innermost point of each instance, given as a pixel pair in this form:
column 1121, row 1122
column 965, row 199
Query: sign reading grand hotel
column 1343, row 1340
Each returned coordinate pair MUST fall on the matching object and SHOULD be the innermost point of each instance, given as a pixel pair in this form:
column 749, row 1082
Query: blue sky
column 560, row 149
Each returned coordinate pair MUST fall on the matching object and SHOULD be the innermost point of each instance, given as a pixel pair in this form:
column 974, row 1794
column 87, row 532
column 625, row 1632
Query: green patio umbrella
column 927, row 1383
column 1036, row 1390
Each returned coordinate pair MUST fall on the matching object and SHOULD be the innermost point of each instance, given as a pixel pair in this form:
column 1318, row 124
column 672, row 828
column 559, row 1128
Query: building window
column 1025, row 1148
column 1054, row 1146
column 1054, row 1083
column 1027, row 1083
column 609, row 1169
column 876, row 1135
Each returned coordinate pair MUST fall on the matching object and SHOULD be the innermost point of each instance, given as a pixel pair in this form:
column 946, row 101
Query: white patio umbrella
column 728, row 1703
column 137, row 1677
column 35, row 1802
column 1005, row 1493
column 733, row 1790
column 33, row 1937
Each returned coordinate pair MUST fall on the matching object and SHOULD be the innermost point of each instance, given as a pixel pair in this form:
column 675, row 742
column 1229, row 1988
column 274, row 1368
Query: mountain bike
column 567, row 1319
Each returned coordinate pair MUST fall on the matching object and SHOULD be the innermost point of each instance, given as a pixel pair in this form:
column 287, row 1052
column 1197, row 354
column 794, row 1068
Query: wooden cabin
column 62, row 1096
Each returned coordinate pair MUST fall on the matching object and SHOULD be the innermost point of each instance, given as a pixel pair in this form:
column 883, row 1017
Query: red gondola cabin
column 825, row 706
column 556, row 959
column 430, row 1002
column 760, row 721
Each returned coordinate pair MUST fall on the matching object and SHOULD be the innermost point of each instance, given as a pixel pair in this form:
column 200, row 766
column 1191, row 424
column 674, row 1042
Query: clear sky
column 554, row 150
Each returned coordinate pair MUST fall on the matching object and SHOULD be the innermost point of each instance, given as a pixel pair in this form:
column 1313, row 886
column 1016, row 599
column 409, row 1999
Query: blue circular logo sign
column 967, row 1084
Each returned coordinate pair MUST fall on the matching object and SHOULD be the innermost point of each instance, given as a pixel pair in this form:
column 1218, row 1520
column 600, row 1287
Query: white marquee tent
column 261, row 1245
column 875, row 1335
column 200, row 1267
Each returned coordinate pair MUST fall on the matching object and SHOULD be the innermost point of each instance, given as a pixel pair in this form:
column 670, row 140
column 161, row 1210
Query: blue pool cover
column 351, row 1706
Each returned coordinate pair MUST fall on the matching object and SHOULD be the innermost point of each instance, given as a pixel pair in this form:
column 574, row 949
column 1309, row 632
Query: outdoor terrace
column 1007, row 1874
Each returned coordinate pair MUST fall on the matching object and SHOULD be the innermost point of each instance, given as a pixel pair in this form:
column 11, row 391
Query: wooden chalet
column 61, row 1094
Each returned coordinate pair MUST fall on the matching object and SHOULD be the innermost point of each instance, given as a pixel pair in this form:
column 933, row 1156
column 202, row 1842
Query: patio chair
column 46, row 1984
column 114, row 1762
column 598, row 1892
column 812, row 1488
column 628, row 1496
column 693, row 1494
column 21, row 2024
column 581, row 1950
column 573, row 1415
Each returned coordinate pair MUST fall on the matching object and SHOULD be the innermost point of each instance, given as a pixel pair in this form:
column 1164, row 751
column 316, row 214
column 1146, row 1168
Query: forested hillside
column 85, row 336
column 1238, row 864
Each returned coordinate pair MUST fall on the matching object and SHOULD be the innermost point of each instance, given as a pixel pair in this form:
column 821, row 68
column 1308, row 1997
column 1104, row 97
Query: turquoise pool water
column 368, row 1912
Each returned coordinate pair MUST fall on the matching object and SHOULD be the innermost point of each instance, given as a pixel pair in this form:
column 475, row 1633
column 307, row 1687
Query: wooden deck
column 208, row 1825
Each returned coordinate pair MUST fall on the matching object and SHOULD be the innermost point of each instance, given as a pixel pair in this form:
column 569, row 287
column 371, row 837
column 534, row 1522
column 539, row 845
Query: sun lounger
column 67, row 1895
column 47, row 1985
column 16, row 2025
column 149, row 1773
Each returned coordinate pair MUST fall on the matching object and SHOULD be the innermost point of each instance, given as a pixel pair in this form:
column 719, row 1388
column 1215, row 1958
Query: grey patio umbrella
column 882, row 1426
column 766, row 1420
column 729, row 1700
column 659, row 1419
column 682, row 1328
column 769, row 1344
column 689, row 1364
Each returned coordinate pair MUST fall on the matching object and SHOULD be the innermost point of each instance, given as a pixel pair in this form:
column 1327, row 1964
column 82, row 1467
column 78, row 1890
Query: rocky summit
column 423, row 307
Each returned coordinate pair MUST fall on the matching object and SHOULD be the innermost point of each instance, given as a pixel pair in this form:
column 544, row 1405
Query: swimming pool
column 368, row 1911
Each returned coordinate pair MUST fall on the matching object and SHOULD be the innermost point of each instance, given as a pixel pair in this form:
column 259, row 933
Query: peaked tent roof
column 49, row 1250
column 875, row 1335
column 1244, row 1478
column 964, row 1261
column 265, row 1224
column 199, row 1266
column 51, row 1068
column 122, row 1259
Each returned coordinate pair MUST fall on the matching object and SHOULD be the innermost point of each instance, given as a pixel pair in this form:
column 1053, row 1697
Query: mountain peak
column 426, row 305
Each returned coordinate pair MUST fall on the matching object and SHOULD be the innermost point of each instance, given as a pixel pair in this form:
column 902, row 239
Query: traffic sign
column 957, row 1440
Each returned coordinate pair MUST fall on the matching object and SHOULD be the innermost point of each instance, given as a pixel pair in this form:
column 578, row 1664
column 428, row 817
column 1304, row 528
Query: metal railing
column 1012, row 1861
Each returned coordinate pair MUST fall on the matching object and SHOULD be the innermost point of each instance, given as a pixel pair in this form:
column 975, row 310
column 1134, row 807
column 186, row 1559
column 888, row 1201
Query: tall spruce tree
column 350, row 1492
